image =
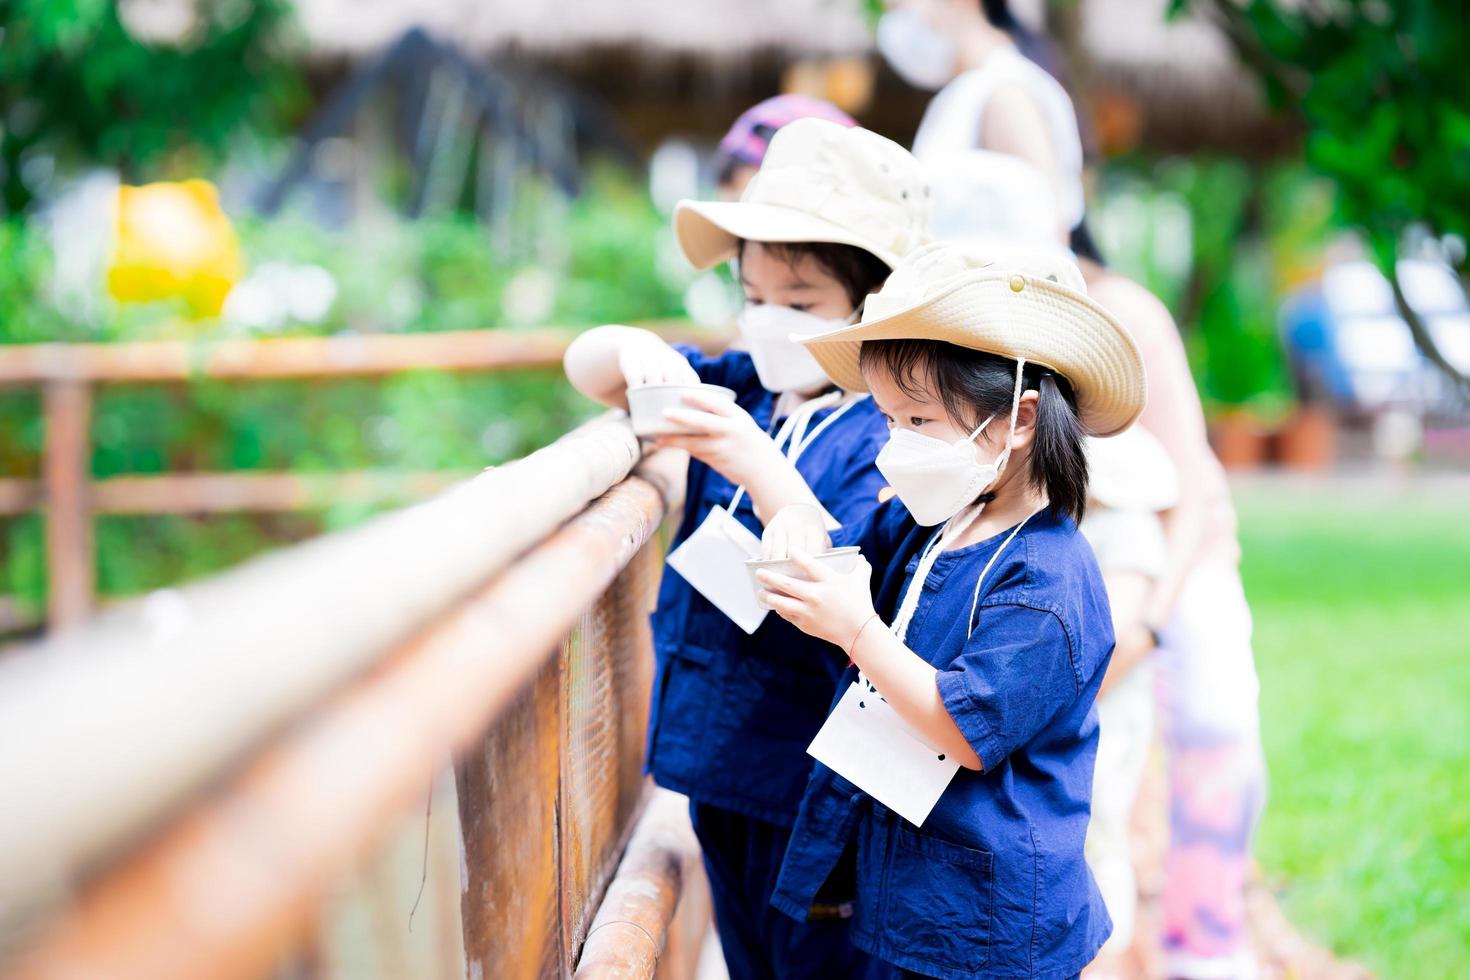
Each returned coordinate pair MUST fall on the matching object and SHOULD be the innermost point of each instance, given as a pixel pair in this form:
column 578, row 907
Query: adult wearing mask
column 992, row 93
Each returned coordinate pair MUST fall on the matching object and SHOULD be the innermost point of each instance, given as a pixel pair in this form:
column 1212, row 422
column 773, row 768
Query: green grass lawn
column 1362, row 612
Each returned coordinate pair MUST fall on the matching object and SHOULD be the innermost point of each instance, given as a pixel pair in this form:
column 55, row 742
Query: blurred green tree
column 127, row 84
column 1381, row 89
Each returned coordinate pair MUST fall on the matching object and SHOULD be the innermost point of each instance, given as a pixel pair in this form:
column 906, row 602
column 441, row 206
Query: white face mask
column 936, row 479
column 781, row 363
column 919, row 54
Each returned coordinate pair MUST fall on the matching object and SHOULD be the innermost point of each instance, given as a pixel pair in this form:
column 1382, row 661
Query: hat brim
column 1043, row 322
column 709, row 231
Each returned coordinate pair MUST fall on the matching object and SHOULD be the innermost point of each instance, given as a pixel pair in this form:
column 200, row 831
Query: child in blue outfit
column 983, row 641
column 817, row 230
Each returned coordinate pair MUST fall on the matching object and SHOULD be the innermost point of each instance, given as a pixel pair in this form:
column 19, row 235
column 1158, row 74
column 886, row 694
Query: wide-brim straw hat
column 1015, row 303
column 819, row 182
column 1131, row 471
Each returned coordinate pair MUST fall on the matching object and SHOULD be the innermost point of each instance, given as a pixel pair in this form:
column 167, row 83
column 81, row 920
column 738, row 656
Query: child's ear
column 1026, row 419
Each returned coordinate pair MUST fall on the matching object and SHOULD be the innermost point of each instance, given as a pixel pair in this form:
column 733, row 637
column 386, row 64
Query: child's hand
column 650, row 361
column 832, row 606
column 796, row 527
column 724, row 437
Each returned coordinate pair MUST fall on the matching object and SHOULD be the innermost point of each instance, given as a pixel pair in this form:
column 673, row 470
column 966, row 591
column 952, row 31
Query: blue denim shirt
column 994, row 883
column 732, row 713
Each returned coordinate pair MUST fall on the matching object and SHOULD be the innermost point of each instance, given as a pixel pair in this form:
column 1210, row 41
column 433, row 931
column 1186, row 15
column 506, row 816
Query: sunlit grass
column 1362, row 610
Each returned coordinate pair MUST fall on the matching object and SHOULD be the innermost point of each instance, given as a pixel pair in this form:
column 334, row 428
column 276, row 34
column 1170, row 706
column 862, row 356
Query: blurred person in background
column 1196, row 614
column 743, row 148
column 995, row 90
column 1130, row 481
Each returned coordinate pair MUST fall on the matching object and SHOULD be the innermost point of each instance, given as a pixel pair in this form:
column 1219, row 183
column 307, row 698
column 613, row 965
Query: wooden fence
column 68, row 375
column 189, row 796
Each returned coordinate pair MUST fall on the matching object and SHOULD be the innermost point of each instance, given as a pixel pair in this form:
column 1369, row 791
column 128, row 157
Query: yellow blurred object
column 174, row 241
column 845, row 82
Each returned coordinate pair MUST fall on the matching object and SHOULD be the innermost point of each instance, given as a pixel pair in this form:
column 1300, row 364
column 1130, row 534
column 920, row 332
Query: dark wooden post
column 67, row 477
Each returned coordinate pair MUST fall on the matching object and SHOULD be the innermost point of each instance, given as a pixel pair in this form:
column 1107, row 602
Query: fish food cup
column 839, row 560
column 648, row 403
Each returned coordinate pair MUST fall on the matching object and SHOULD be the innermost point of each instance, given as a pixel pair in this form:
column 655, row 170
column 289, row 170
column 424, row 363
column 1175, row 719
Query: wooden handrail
column 68, row 374
column 280, row 633
column 341, row 356
column 302, row 814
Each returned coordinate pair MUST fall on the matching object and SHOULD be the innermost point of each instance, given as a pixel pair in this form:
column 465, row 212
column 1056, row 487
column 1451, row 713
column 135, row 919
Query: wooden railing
column 68, row 375
column 186, row 794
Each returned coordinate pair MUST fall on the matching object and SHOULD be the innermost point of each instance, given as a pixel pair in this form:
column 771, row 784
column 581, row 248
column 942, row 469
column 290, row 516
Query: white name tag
column 712, row 559
column 869, row 745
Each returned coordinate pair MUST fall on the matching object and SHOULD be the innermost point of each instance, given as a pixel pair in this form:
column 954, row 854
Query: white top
column 1126, row 540
column 952, row 121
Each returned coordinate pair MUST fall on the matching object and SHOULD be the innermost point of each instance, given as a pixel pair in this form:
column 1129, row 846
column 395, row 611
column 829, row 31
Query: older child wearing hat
column 818, row 228
column 956, row 767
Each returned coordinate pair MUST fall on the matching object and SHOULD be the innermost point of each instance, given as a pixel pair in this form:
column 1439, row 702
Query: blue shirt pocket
column 938, row 901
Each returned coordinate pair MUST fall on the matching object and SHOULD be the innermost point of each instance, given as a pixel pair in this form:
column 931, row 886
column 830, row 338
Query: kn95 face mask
column 781, row 363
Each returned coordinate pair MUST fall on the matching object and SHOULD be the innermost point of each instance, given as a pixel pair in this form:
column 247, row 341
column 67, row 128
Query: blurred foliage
column 77, row 87
column 1221, row 241
column 1380, row 88
column 599, row 262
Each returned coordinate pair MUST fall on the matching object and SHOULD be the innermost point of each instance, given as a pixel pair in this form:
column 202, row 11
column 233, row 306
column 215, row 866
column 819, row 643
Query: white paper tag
column 868, row 744
column 712, row 559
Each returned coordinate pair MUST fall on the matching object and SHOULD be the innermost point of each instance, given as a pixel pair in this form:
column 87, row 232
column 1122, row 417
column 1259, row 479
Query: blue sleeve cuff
column 969, row 718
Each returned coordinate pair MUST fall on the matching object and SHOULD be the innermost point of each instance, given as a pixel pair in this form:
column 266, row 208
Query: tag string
column 795, row 443
column 955, row 526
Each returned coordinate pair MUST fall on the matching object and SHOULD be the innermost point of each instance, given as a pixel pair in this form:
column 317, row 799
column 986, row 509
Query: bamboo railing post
column 66, row 467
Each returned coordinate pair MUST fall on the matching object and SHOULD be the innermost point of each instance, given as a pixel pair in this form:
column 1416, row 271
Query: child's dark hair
column 973, row 384
column 858, row 270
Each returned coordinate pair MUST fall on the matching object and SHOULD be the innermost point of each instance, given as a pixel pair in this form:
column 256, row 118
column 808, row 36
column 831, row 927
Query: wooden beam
column 155, row 702
column 239, row 492
column 631, row 928
column 231, row 885
column 362, row 355
column 66, row 469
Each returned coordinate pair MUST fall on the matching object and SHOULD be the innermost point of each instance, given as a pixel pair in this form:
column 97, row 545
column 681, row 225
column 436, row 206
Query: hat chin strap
column 958, row 525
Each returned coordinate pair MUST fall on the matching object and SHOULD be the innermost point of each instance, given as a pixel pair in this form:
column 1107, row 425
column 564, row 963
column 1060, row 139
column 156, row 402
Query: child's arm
column 839, row 609
column 1128, row 594
column 730, row 443
column 604, row 362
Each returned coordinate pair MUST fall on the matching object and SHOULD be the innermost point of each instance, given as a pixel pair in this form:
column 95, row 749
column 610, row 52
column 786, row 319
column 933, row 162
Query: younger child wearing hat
column 955, row 770
column 817, row 230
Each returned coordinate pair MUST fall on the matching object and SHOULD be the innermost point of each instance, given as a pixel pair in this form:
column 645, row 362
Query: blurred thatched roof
column 1181, row 74
column 710, row 28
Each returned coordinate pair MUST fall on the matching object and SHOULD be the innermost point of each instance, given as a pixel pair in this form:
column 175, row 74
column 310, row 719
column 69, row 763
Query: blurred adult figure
column 1195, row 614
column 744, row 147
column 991, row 92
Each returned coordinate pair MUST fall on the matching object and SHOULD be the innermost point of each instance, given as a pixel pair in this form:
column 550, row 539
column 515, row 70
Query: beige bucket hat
column 1131, row 471
column 819, row 182
column 1016, row 303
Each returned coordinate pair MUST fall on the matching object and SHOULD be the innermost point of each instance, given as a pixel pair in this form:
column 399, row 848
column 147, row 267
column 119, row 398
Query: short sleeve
column 731, row 369
column 1014, row 676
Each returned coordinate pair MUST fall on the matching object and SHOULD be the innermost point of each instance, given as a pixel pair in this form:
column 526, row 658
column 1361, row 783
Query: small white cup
column 647, row 404
column 839, row 560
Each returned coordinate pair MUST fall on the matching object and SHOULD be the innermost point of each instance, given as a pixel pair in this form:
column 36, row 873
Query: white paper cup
column 839, row 560
column 646, row 406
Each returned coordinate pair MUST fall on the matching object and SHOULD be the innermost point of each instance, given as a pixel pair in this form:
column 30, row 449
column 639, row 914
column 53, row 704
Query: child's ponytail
column 1058, row 450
